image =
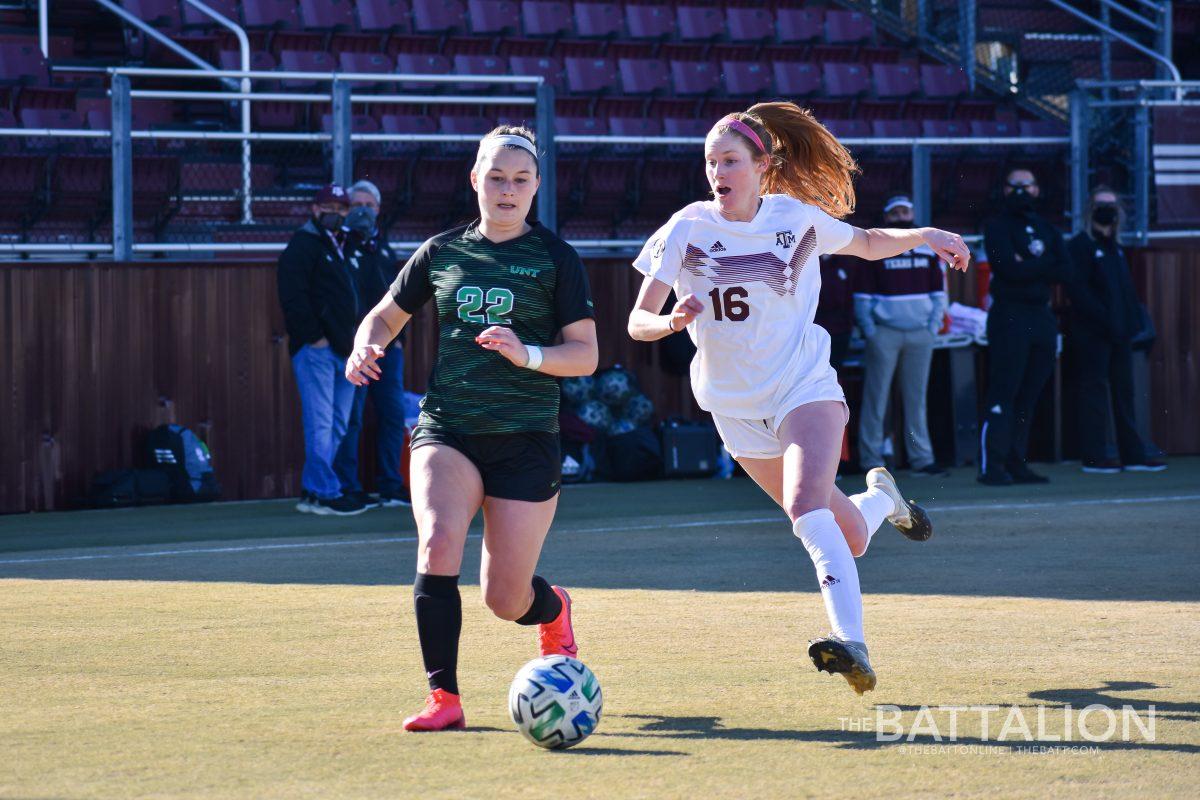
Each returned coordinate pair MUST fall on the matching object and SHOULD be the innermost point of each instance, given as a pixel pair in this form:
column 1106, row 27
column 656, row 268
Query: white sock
column 875, row 505
column 836, row 572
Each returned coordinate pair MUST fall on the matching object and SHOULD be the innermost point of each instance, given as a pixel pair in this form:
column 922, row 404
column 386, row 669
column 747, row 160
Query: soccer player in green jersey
column 505, row 292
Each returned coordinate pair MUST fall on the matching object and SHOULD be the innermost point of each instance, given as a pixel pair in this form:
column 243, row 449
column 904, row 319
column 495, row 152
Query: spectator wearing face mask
column 1027, row 255
column 1105, row 316
column 899, row 303
column 321, row 310
column 374, row 267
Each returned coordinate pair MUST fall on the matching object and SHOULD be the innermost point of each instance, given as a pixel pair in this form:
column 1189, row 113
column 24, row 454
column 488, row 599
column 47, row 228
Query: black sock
column 547, row 605
column 439, row 623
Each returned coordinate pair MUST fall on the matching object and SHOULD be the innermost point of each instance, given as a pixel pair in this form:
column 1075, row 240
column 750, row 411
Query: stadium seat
column 650, row 22
column 421, row 64
column 746, row 77
column 943, row 81
column 161, row 14
column 896, row 128
column 391, row 175
column 545, row 17
column 944, row 128
column 699, row 23
column 259, row 60
column 798, row 25
column 794, row 79
column 64, row 118
column 24, row 183
column 1041, row 127
column 464, row 124
column 607, row 185
column 478, row 65
column 407, row 123
column 373, row 63
column 384, row 16
column 440, row 184
column 438, row 16
column 273, row 115
column 750, row 24
column 848, row 27
column 306, row 61
column 635, row 126
column 588, row 75
column 326, row 15
column 271, row 14
column 191, row 17
column 599, row 20
column 844, row 128
column 845, row 80
column 359, row 123
column 895, row 80
column 993, row 129
column 493, row 16
column 689, row 126
column 663, row 187
column 546, row 66
column 644, row 75
column 22, row 63
column 695, row 77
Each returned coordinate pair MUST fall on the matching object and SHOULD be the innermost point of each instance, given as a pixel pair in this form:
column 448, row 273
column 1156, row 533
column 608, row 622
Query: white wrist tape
column 535, row 357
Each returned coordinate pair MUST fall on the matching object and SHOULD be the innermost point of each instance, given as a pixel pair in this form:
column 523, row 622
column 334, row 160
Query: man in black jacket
column 1105, row 316
column 1027, row 254
column 321, row 311
column 374, row 266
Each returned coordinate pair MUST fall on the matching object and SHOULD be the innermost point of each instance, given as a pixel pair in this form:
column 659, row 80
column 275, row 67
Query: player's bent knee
column 507, row 605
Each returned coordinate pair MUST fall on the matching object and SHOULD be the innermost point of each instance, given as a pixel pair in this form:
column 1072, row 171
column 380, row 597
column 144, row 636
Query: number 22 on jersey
column 729, row 305
column 471, row 300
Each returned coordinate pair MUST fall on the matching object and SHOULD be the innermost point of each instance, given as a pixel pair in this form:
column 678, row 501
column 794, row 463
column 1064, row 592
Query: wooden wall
column 95, row 354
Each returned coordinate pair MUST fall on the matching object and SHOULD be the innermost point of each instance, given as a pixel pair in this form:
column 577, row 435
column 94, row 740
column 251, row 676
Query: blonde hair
column 807, row 162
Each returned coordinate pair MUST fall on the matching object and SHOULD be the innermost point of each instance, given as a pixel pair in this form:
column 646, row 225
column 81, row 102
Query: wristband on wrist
column 535, row 357
column 671, row 323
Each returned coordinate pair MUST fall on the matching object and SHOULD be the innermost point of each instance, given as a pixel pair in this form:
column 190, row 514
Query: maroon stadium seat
column 51, row 118
column 581, row 126
column 306, row 61
column 80, row 182
column 1041, row 127
column 896, row 128
column 799, row 24
column 192, row 18
column 635, row 126
column 796, row 79
column 644, row 75
column 590, row 74
column 993, row 129
column 746, row 77
column 845, row 80
column 944, row 128
column 162, row 14
column 699, row 22
column 750, row 24
column 438, row 16
column 384, row 15
column 464, row 124
column 271, row 14
column 478, row 65
column 689, row 126
column 493, row 16
column 359, row 123
column 259, row 60
column 848, row 27
column 421, row 64
column 650, row 22
column 939, row 80
column 664, row 186
column 326, row 15
column 695, row 77
column 844, row 128
column 545, row 17
column 374, row 63
column 548, row 67
column 895, row 80
column 389, row 174
column 599, row 20
column 276, row 116
column 407, row 123
column 607, row 185
column 22, row 62
column 439, row 185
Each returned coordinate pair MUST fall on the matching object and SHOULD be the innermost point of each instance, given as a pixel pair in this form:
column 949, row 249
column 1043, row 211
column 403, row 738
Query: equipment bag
column 689, row 449
column 120, row 488
column 633, row 456
column 186, row 461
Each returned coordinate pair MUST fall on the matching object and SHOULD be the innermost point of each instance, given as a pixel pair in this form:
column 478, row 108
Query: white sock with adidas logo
column 836, row 572
column 875, row 505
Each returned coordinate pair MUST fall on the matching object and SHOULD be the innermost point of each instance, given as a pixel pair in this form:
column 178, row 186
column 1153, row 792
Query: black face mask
column 1019, row 201
column 330, row 221
column 361, row 221
column 1104, row 215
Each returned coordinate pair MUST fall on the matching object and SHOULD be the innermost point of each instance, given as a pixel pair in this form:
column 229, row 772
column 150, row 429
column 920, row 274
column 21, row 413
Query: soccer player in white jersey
column 744, row 267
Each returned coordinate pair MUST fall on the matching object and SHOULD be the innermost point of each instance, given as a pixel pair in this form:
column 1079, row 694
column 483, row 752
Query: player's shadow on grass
column 581, row 750
column 712, row 728
column 1103, row 696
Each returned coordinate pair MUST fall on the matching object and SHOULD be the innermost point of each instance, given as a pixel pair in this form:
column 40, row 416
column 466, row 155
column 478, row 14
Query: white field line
column 981, row 506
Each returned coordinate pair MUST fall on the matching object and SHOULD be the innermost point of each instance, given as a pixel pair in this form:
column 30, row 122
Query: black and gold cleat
column 848, row 659
column 909, row 518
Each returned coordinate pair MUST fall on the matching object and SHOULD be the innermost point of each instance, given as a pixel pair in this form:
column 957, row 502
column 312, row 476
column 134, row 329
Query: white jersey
column 759, row 282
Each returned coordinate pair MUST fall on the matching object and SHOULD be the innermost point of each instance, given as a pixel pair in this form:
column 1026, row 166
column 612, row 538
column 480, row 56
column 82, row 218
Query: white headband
column 515, row 141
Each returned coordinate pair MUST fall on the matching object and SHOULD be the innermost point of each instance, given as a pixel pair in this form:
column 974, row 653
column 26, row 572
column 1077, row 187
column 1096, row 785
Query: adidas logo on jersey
column 717, row 247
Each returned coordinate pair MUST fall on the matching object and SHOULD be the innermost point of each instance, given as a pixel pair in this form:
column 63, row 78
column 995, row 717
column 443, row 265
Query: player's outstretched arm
column 875, row 244
column 647, row 325
column 577, row 355
column 381, row 325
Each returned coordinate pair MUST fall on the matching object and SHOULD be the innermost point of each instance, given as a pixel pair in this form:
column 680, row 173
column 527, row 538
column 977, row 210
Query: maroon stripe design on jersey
column 780, row 276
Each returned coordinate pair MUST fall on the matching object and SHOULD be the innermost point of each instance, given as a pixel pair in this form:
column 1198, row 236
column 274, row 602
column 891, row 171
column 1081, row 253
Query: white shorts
column 759, row 438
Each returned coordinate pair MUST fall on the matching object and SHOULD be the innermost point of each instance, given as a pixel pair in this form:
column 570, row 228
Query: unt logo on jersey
column 785, row 238
column 779, row 275
column 529, row 272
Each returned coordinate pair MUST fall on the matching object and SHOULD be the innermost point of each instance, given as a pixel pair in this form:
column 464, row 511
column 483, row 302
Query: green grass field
column 244, row 650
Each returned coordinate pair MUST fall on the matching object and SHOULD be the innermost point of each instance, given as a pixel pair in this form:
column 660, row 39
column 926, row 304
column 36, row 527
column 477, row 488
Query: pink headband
column 743, row 129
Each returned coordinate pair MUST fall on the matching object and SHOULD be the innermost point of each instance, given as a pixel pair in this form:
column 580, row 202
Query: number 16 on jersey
column 729, row 305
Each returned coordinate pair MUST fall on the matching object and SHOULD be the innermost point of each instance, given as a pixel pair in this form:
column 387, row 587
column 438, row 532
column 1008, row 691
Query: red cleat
column 443, row 712
column 557, row 638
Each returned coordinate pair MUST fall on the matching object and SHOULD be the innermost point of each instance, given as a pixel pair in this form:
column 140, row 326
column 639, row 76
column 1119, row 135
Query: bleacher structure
column 633, row 85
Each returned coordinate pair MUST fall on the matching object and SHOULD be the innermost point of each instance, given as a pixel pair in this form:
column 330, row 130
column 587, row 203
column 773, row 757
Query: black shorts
column 514, row 466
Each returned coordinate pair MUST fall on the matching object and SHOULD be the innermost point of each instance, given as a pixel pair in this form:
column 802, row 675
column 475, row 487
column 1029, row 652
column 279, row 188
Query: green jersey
column 534, row 284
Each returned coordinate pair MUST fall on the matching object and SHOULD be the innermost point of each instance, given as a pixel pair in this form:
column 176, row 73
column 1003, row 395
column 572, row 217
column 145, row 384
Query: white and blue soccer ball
column 639, row 409
column 596, row 414
column 579, row 389
column 555, row 702
column 616, row 385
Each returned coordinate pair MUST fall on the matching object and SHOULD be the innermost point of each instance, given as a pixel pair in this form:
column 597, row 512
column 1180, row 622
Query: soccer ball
column 555, row 702
column 596, row 414
column 579, row 390
column 616, row 385
column 620, row 426
column 638, row 409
